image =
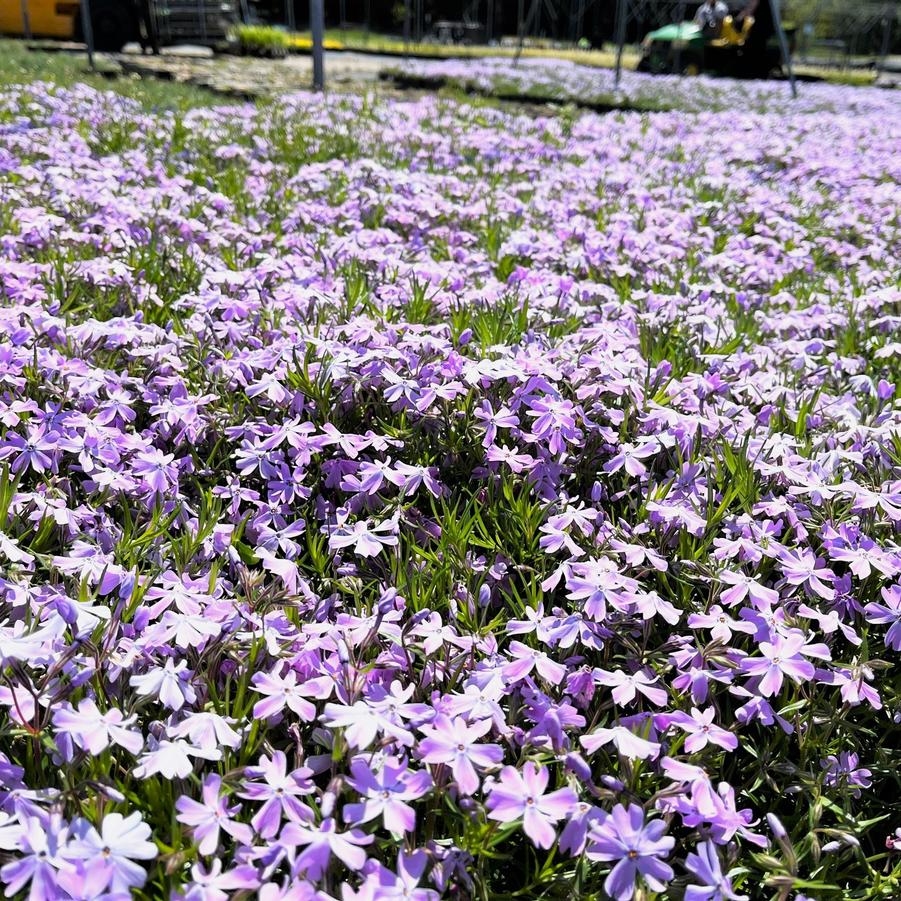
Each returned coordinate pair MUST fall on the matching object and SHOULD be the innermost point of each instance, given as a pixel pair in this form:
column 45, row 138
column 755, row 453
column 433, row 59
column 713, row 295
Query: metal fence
column 196, row 21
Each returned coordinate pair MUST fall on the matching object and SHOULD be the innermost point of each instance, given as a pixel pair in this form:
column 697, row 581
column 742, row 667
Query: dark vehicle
column 206, row 22
column 745, row 47
column 117, row 22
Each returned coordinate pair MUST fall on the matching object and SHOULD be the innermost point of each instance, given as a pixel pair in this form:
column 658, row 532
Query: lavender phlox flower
column 271, row 783
column 216, row 883
column 385, row 791
column 362, row 722
column 206, row 730
column 526, row 659
column 676, row 515
column 281, row 540
column 801, row 567
column 555, row 420
column 170, row 684
column 212, row 814
column 269, row 387
column 638, row 555
column 565, row 631
column 720, row 623
column 172, row 758
column 518, row 795
column 259, row 454
column 889, row 612
column 719, row 812
column 854, row 685
column 183, row 593
column 578, row 824
column 480, row 702
column 704, row 864
column 92, row 564
column 321, row 842
column 702, row 730
column 11, row 551
column 94, row 731
column 635, row 846
column 42, row 851
column 627, row 686
column 501, row 418
column 367, row 540
column 744, row 586
column 294, row 890
column 630, row 457
column 784, row 656
column 37, row 450
column 282, row 691
column 120, row 842
column 517, row 462
column 89, row 880
column 866, row 557
column 842, row 771
column 456, row 743
column 830, row 622
column 186, row 630
column 623, row 739
column 157, row 470
column 649, row 604
column 598, row 583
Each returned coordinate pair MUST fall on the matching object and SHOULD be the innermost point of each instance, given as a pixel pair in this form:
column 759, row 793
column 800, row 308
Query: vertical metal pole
column 290, row 22
column 520, row 29
column 87, row 30
column 886, row 41
column 783, row 44
column 621, row 9
column 342, row 14
column 489, row 22
column 317, row 26
column 524, row 26
column 406, row 27
column 201, row 15
column 680, row 17
column 26, row 21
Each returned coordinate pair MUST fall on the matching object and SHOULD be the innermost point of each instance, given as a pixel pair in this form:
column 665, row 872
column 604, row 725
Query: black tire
column 113, row 23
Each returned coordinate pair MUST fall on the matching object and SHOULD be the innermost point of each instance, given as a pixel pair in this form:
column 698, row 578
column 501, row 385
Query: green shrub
column 262, row 40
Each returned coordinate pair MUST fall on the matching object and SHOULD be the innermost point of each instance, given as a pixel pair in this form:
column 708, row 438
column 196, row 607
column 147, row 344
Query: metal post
column 783, row 44
column 87, row 29
column 524, row 26
column 290, row 22
column 680, row 17
column 26, row 21
column 489, row 22
column 621, row 10
column 406, row 27
column 886, row 41
column 317, row 26
column 520, row 28
column 342, row 14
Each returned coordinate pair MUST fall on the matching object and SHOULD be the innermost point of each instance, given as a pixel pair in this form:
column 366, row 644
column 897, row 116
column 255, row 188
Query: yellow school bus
column 47, row 18
column 115, row 22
